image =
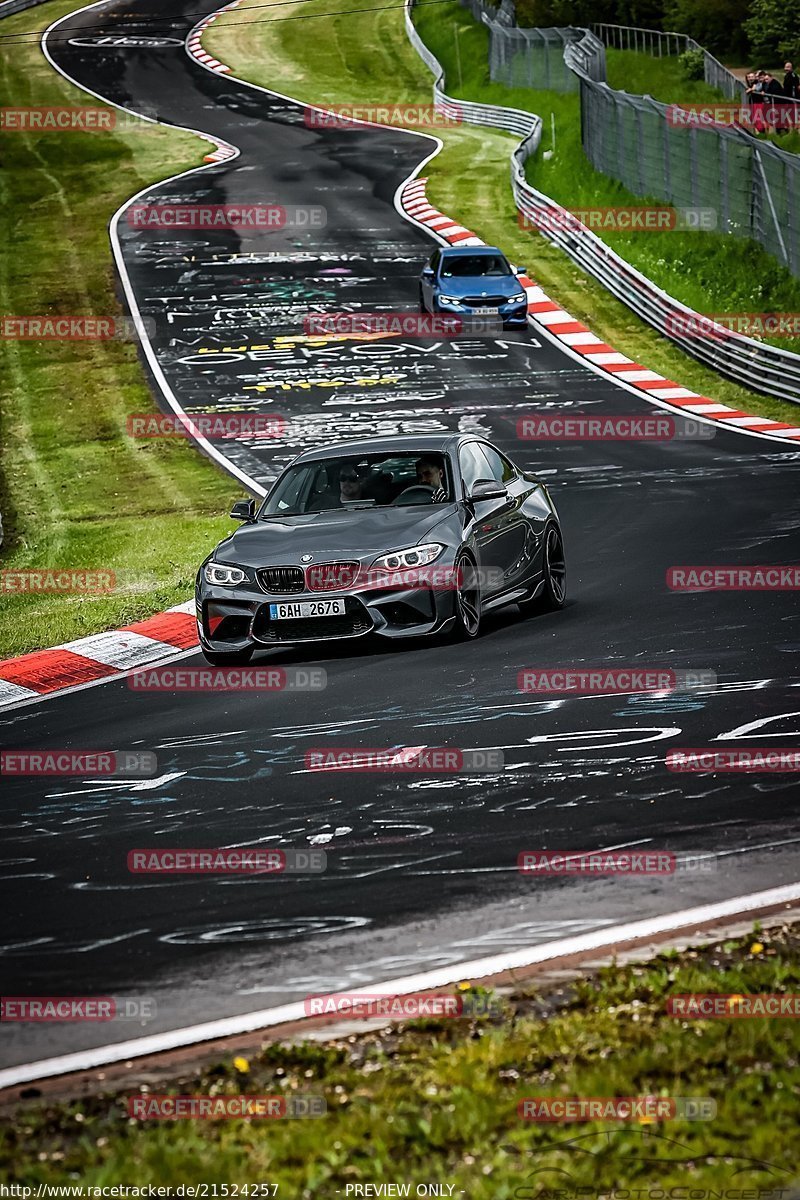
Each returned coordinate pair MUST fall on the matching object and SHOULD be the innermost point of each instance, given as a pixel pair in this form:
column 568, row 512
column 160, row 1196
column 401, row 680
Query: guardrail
column 9, row 7
column 511, row 120
column 753, row 364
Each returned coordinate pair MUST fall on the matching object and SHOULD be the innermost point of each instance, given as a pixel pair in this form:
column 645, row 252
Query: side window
column 474, row 464
column 434, row 263
column 502, row 470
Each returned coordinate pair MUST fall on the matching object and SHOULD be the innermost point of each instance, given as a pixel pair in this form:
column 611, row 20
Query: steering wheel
column 418, row 493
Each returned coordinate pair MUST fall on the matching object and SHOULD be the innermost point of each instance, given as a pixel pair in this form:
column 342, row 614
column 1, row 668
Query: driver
column 349, row 483
column 430, row 473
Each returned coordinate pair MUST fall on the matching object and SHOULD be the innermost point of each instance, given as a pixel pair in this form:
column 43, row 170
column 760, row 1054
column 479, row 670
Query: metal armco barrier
column 8, row 7
column 753, row 364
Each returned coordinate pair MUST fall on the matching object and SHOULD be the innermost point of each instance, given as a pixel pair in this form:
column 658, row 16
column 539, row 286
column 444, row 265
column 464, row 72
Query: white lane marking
column 156, row 1043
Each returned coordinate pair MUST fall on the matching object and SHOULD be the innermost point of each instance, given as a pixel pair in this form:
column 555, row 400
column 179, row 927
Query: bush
column 692, row 64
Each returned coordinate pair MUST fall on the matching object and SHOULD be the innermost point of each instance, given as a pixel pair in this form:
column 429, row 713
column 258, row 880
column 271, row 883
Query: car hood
column 331, row 535
column 476, row 285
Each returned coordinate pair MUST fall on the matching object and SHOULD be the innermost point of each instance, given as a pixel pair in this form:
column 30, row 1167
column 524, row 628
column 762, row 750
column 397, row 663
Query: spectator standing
column 775, row 110
column 791, row 90
column 756, row 95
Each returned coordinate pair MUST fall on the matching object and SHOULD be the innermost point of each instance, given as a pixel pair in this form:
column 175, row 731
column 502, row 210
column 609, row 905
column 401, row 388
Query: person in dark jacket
column 775, row 111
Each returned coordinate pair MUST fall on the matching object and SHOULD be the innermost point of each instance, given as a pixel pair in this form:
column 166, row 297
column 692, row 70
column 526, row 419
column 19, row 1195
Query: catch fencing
column 659, row 44
column 755, row 365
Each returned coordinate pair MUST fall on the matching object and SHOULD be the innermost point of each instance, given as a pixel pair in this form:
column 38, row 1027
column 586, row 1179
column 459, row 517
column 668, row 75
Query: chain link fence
column 659, row 44
column 750, row 184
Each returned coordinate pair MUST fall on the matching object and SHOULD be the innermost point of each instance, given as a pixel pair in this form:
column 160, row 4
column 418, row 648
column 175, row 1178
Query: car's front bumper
column 509, row 314
column 231, row 619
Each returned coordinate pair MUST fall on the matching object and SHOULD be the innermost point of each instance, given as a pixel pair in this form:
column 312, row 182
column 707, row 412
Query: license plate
column 290, row 611
column 485, row 312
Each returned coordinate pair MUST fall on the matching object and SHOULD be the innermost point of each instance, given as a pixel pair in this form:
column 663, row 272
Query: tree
column 773, row 28
column 715, row 24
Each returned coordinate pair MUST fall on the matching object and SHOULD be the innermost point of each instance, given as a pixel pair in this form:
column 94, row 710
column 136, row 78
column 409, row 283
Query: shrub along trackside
column 349, row 60
column 77, row 493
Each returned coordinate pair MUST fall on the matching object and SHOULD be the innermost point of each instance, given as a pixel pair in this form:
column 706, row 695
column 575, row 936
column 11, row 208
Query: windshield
column 461, row 265
column 360, row 481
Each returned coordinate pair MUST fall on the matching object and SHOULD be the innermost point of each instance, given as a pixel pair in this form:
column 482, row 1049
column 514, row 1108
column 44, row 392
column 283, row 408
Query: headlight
column 449, row 299
column 222, row 575
column 413, row 556
column 517, row 299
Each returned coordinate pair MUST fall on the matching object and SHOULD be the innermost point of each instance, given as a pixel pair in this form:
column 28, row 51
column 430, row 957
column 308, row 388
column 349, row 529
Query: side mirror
column 520, row 270
column 487, row 489
column 427, row 272
column 243, row 510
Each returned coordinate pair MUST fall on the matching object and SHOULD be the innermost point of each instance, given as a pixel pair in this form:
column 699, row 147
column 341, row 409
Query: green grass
column 322, row 60
column 642, row 75
column 436, row 1101
column 75, row 490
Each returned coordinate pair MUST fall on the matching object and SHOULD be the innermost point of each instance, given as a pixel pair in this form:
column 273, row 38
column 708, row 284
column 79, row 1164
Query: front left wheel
column 467, row 600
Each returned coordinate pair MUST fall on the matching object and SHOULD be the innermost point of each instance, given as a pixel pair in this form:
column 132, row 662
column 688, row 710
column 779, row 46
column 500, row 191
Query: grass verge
column 365, row 58
column 437, row 1101
column 75, row 491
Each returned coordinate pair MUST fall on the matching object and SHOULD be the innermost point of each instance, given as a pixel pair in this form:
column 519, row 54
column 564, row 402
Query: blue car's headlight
column 449, row 299
column 517, row 299
column 412, row 556
column 222, row 575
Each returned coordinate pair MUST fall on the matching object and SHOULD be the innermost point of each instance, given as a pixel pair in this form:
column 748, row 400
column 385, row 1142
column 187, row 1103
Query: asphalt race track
column 421, row 869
